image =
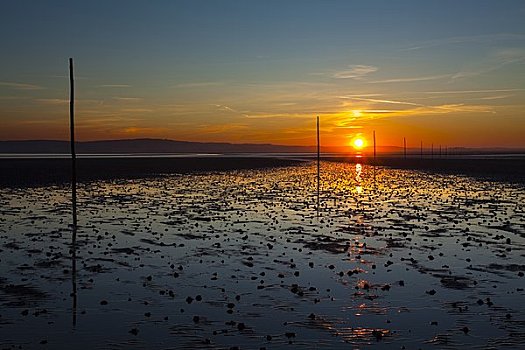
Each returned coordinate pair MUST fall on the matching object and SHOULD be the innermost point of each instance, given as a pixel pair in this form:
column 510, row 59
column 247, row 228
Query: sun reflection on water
column 358, row 179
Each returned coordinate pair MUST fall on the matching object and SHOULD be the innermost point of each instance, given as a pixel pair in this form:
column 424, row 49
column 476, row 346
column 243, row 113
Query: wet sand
column 39, row 172
column 504, row 169
column 245, row 259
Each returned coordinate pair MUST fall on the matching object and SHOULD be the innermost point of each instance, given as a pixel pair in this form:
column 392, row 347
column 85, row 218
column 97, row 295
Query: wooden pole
column 374, row 146
column 432, row 152
column 421, row 150
column 72, row 142
column 405, row 147
column 73, row 190
column 318, row 163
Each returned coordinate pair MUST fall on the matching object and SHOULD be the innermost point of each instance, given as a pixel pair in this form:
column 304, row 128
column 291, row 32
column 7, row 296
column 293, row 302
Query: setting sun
column 358, row 143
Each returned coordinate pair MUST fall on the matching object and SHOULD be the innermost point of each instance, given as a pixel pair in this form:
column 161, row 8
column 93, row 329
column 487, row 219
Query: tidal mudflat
column 245, row 259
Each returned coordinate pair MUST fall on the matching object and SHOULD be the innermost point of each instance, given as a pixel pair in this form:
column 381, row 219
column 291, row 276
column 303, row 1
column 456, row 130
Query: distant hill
column 150, row 146
column 143, row 146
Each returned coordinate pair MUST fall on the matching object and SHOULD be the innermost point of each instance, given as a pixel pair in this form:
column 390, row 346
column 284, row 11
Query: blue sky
column 259, row 71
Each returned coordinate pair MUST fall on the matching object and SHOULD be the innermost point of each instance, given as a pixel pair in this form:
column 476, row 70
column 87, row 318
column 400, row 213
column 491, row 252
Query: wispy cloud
column 12, row 98
column 467, row 39
column 118, row 98
column 51, row 101
column 355, row 71
column 381, row 101
column 114, row 86
column 412, row 79
column 225, row 108
column 199, row 84
column 136, row 110
column 142, row 130
column 20, row 86
column 496, row 97
column 471, row 91
column 363, row 95
column 221, row 128
column 278, row 115
column 461, row 107
column 494, row 61
column 438, row 109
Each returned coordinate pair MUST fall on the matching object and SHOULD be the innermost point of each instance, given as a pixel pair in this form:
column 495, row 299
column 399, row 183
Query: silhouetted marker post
column 432, row 152
column 374, row 146
column 405, row 147
column 72, row 142
column 73, row 191
column 421, row 150
column 318, row 163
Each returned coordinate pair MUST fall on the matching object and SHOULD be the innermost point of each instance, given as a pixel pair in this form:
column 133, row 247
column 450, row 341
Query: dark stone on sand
column 377, row 334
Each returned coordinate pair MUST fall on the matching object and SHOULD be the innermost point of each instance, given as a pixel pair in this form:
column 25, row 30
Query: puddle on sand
column 244, row 259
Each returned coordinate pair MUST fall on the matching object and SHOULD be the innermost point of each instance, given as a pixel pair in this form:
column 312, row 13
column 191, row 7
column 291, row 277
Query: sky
column 442, row 72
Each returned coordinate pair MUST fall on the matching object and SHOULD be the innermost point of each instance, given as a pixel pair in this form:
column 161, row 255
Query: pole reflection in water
column 374, row 175
column 74, row 274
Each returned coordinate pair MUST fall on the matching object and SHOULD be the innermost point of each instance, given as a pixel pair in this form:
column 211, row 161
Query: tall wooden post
column 72, row 142
column 73, row 190
column 374, row 146
column 432, row 152
column 421, row 150
column 318, row 163
column 405, row 147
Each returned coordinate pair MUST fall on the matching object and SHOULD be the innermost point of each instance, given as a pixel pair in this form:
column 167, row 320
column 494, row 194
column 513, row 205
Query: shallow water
column 391, row 258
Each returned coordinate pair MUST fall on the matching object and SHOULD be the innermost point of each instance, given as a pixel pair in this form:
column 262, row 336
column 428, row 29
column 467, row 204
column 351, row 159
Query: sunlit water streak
column 395, row 258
